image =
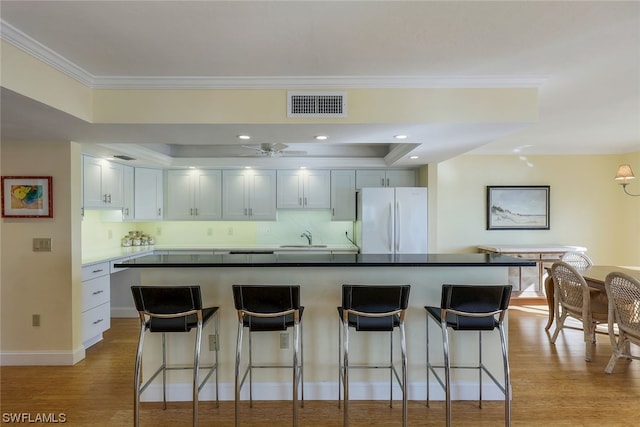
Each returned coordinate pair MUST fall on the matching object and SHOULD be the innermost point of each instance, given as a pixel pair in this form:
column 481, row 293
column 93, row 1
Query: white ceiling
column 587, row 54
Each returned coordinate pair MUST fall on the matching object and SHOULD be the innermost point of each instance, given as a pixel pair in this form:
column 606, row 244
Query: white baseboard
column 323, row 391
column 42, row 358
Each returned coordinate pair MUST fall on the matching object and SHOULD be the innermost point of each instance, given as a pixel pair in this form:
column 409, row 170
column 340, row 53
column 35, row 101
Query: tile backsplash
column 102, row 230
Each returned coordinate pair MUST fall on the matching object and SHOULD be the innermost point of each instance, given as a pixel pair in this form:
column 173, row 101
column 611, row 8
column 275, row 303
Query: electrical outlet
column 213, row 342
column 158, row 231
column 230, row 231
column 209, row 231
column 35, row 320
column 284, row 340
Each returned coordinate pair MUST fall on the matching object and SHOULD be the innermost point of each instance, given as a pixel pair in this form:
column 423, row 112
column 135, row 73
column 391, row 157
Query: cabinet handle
column 97, row 271
column 196, row 211
column 250, row 211
column 382, row 181
column 299, row 201
column 159, row 211
column 126, row 211
column 109, row 198
column 97, row 292
column 98, row 321
column 104, row 198
column 387, row 182
column 191, row 211
column 245, row 211
column 333, row 211
column 305, row 201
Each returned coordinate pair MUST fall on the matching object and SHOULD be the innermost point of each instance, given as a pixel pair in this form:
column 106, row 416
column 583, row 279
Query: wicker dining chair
column 623, row 292
column 578, row 260
column 573, row 299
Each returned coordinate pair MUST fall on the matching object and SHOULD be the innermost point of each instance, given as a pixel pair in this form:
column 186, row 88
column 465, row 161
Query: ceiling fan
column 274, row 150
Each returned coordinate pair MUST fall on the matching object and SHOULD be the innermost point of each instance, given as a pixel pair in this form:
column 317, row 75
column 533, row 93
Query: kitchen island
column 320, row 277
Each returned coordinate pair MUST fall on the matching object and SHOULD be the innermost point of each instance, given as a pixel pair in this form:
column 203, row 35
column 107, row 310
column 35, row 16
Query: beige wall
column 45, row 283
column 587, row 207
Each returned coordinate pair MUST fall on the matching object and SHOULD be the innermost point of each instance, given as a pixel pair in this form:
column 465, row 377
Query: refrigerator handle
column 397, row 227
column 390, row 227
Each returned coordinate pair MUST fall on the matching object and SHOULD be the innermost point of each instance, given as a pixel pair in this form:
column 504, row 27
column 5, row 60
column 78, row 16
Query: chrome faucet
column 308, row 235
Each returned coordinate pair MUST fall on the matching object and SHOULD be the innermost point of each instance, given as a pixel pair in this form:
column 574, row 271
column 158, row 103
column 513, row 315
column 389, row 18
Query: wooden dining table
column 594, row 276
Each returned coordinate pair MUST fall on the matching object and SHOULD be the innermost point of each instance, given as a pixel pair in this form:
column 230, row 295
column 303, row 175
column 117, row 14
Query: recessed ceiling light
column 244, row 137
column 321, row 137
column 400, row 136
column 413, row 157
column 303, row 167
column 247, row 167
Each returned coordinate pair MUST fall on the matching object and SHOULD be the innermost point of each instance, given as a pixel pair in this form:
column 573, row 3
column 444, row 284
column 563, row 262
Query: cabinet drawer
column 95, row 270
column 95, row 292
column 95, row 321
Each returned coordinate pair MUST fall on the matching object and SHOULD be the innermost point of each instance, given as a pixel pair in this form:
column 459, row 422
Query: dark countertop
column 325, row 260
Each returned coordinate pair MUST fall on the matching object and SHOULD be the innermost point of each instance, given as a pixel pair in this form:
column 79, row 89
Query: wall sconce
column 624, row 175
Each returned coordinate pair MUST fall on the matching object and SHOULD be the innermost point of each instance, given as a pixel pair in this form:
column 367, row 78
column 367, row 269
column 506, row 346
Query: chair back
column 476, row 299
column 168, row 307
column 572, row 289
column 623, row 292
column 266, row 298
column 375, row 298
column 578, row 260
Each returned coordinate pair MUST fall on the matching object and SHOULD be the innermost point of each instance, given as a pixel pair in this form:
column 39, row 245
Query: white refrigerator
column 392, row 220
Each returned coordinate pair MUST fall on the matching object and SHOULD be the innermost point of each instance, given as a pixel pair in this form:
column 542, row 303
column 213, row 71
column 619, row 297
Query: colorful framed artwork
column 27, row 197
column 518, row 207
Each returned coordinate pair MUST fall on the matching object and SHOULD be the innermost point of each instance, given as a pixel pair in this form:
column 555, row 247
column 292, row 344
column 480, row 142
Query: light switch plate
column 41, row 244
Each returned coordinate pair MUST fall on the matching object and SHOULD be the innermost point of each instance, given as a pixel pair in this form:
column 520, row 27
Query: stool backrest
column 476, row 298
column 266, row 298
column 168, row 307
column 375, row 298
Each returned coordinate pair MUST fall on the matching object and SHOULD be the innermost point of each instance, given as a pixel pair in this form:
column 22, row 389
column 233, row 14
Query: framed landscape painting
column 27, row 197
column 518, row 207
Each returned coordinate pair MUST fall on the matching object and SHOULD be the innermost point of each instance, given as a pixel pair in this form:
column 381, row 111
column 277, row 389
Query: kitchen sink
column 303, row 246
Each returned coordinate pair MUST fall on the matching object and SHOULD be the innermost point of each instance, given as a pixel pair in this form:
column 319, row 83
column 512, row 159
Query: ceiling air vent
column 123, row 157
column 316, row 104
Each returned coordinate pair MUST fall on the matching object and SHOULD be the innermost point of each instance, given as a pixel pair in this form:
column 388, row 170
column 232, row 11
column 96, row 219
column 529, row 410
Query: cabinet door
column 235, row 195
column 208, row 194
column 148, row 194
column 290, row 193
column 113, row 184
column 180, row 194
column 401, row 178
column 92, row 182
column 128, row 201
column 317, row 189
column 366, row 178
column 343, row 195
column 262, row 195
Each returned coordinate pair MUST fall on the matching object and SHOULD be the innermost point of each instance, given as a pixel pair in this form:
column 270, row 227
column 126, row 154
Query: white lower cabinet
column 96, row 310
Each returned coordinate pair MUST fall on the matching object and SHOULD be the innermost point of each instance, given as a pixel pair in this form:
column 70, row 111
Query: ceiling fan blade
column 293, row 153
column 277, row 146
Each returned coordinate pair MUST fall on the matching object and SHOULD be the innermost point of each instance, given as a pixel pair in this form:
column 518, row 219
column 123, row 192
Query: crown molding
column 38, row 50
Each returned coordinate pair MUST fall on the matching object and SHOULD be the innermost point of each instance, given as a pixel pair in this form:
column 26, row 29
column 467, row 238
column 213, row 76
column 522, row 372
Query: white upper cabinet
column 343, row 195
column 128, row 199
column 149, row 194
column 249, row 195
column 304, row 189
column 194, row 194
column 385, row 178
column 103, row 183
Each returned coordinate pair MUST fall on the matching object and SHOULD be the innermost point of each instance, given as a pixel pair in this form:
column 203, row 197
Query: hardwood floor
column 552, row 386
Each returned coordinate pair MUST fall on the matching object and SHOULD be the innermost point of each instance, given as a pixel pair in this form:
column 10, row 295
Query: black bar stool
column 165, row 309
column 269, row 308
column 373, row 308
column 471, row 308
